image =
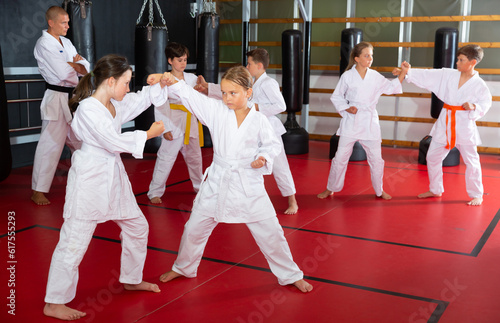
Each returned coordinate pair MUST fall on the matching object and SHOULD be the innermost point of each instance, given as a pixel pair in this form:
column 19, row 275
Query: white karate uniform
column 266, row 93
column 99, row 190
column 444, row 84
column 175, row 121
column 233, row 191
column 352, row 90
column 52, row 59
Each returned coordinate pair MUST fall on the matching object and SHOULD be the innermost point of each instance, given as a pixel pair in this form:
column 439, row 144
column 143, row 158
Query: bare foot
column 293, row 207
column 62, row 312
column 385, row 196
column 39, row 198
column 325, row 194
column 156, row 200
column 303, row 286
column 476, row 201
column 428, row 194
column 143, row 286
column 168, row 276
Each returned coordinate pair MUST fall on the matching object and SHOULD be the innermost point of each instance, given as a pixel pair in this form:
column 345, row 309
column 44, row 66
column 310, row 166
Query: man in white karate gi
column 60, row 65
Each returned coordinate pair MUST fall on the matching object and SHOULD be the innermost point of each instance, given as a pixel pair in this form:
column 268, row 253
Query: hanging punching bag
column 207, row 58
column 296, row 139
column 151, row 38
column 81, row 31
column 5, row 152
column 349, row 38
column 445, row 54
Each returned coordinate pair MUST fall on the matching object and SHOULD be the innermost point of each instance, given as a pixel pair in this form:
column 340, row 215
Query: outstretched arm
column 164, row 79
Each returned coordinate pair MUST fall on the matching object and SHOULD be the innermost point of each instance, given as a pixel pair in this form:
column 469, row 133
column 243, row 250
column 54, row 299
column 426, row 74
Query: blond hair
column 239, row 75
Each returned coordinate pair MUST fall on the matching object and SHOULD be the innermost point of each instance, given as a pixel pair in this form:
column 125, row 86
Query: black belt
column 58, row 88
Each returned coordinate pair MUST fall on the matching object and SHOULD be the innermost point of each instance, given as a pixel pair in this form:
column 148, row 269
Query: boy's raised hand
column 201, row 85
column 405, row 66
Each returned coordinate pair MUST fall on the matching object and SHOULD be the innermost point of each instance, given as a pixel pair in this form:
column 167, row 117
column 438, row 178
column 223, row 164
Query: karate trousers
column 282, row 173
column 339, row 163
column 267, row 233
column 473, row 175
column 73, row 242
column 166, row 156
column 48, row 151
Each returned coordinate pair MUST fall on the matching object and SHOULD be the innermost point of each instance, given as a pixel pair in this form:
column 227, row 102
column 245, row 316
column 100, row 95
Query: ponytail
column 356, row 52
column 111, row 65
column 83, row 90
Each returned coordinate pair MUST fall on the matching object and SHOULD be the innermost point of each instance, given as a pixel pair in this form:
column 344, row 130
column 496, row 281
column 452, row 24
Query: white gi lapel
column 238, row 137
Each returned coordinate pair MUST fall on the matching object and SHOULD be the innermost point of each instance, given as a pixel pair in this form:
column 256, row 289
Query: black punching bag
column 445, row 54
column 207, row 58
column 5, row 152
column 296, row 139
column 151, row 38
column 349, row 38
column 81, row 31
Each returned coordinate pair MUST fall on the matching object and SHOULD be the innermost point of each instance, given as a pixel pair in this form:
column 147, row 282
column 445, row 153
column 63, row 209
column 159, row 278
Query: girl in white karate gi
column 355, row 98
column 98, row 188
column 233, row 189
column 467, row 98
column 182, row 134
column 267, row 98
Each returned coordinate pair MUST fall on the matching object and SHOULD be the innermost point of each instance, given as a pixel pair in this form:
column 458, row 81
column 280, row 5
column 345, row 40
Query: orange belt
column 188, row 124
column 450, row 142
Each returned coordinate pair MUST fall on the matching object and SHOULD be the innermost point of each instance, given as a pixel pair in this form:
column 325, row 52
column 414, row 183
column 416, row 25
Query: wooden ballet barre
column 409, row 19
column 375, row 44
column 369, row 19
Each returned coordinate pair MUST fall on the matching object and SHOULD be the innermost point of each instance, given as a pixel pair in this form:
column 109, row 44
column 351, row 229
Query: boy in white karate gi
column 268, row 100
column 183, row 132
column 466, row 98
column 355, row 98
column 233, row 191
column 98, row 188
column 60, row 65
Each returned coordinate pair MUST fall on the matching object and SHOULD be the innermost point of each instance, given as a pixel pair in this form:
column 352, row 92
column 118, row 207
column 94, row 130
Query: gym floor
column 370, row 260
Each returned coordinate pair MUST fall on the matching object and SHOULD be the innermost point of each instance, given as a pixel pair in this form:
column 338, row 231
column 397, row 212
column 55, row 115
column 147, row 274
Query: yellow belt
column 188, row 124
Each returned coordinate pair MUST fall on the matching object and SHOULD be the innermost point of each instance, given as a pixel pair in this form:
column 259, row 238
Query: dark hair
column 239, row 75
column 356, row 52
column 259, row 55
column 174, row 49
column 108, row 66
column 472, row 51
column 53, row 12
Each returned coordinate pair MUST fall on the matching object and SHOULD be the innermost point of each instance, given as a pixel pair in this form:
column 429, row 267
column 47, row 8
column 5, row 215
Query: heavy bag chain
column 81, row 3
column 209, row 7
column 150, row 24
